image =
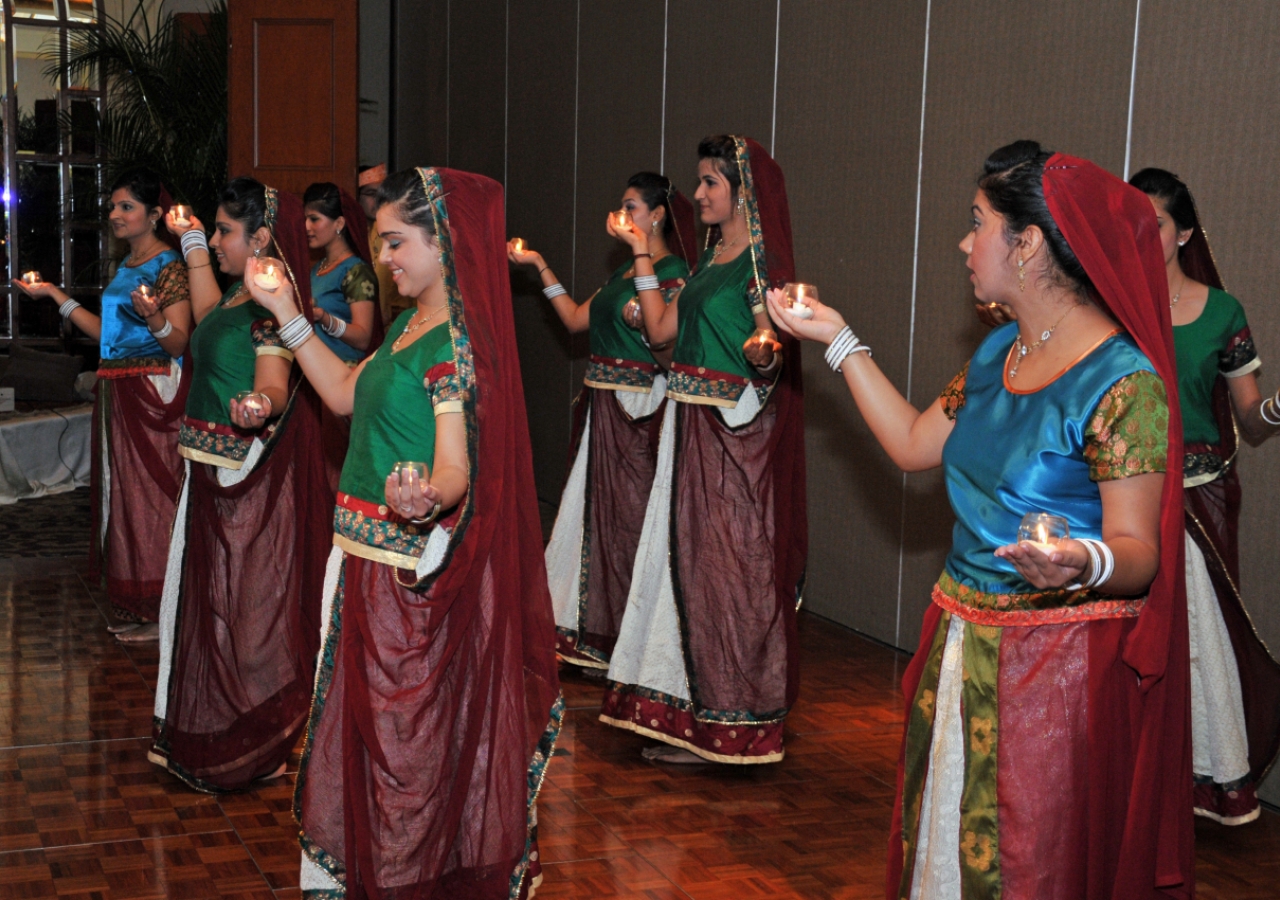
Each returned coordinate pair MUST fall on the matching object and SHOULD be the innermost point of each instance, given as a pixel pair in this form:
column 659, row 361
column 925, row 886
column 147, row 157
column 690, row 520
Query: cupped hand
column 633, row 314
column 247, row 419
column 171, row 223
column 823, row 327
column 994, row 314
column 761, row 347
column 39, row 289
column 146, row 307
column 634, row 238
column 409, row 496
column 1063, row 566
column 525, row 257
column 280, row 301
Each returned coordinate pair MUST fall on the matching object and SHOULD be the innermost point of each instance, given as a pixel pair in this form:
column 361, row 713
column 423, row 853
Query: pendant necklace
column 1178, row 296
column 1020, row 350
column 395, row 345
column 721, row 247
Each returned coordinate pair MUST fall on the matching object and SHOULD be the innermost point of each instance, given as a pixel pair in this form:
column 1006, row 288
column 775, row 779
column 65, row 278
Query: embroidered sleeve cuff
column 1251, row 366
column 273, row 351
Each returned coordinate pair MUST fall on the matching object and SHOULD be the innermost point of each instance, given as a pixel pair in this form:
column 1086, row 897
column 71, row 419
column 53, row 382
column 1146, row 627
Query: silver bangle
column 1102, row 564
column 646, row 282
column 163, row 332
column 553, row 291
column 296, row 332
column 1262, row 411
column 844, row 345
column 194, row 240
column 335, row 327
column 67, row 308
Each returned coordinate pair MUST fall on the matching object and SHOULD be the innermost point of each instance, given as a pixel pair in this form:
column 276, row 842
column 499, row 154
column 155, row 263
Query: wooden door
column 293, row 92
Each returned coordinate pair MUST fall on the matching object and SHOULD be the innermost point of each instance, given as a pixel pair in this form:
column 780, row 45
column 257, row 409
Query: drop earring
column 654, row 227
column 1022, row 276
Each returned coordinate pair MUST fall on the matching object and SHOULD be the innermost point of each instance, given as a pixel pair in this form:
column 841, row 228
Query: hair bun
column 1011, row 155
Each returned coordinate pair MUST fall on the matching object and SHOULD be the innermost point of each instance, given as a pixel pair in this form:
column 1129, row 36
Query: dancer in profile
column 593, row 545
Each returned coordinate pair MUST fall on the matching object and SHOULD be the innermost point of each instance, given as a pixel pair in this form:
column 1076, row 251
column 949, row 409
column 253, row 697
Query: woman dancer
column 705, row 660
column 239, row 623
column 1045, row 751
column 343, row 286
column 1235, row 682
column 436, row 702
column 593, row 546
column 141, row 394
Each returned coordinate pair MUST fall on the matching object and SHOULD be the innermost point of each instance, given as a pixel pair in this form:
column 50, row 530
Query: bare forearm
column 332, row 378
column 451, row 482
column 202, row 284
column 891, row 418
column 1136, row 563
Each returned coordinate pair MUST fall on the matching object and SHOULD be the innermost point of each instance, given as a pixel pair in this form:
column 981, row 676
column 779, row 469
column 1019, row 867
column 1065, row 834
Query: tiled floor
column 84, row 815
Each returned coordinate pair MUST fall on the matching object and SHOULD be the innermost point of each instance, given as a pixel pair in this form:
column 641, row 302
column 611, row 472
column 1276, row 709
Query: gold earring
column 1022, row 277
column 654, row 227
column 740, row 204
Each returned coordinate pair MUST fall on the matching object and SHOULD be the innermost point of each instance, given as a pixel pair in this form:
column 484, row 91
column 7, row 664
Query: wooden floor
column 84, row 815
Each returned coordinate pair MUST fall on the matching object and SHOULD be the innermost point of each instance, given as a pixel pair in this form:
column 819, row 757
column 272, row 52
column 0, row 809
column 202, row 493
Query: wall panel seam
column 777, row 36
column 1133, row 81
column 662, row 140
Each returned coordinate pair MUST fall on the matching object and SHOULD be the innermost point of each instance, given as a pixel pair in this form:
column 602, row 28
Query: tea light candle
column 796, row 294
column 146, row 292
column 622, row 220
column 181, row 215
column 31, row 278
column 253, row 402
column 1043, row 531
column 518, row 245
column 268, row 276
column 404, row 468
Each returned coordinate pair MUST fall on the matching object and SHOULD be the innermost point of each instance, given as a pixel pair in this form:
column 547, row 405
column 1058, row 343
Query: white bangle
column 844, row 345
column 296, row 332
column 553, row 291
column 335, row 327
column 194, row 240
column 67, row 308
column 1102, row 564
column 163, row 332
column 1262, row 411
column 646, row 283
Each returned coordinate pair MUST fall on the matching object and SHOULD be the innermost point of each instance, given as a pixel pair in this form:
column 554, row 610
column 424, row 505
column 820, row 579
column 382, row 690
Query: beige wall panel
column 420, row 127
column 849, row 81
column 540, row 179
column 1058, row 73
column 719, row 78
column 477, row 86
column 1211, row 117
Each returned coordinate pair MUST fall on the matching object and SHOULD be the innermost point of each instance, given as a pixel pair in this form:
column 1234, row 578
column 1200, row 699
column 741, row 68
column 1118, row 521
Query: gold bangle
column 430, row 517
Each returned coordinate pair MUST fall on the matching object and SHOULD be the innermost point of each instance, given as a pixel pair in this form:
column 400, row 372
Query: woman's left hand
column 633, row 237
column 146, row 307
column 822, row 327
column 280, row 301
column 1063, row 566
column 248, row 418
column 410, row 497
column 761, row 348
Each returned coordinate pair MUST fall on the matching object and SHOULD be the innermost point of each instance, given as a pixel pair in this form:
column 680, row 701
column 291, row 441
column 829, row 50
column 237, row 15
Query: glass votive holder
column 1043, row 531
column 146, row 291
column 254, row 402
column 270, row 274
column 621, row 220
column 796, row 294
column 32, row 278
column 519, row 245
column 181, row 215
column 404, row 468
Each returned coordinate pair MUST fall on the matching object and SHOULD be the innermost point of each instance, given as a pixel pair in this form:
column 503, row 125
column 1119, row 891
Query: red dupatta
column 1111, row 227
column 684, row 243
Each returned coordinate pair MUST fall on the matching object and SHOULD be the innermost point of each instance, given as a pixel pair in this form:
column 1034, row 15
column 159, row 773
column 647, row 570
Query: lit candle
column 31, row 278
column 403, row 469
column 267, row 277
column 1042, row 531
column 146, row 292
column 518, row 245
column 622, row 220
column 797, row 294
column 181, row 215
column 253, row 403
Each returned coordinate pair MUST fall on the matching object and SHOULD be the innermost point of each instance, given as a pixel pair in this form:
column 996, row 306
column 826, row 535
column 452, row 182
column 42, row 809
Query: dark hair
column 724, row 151
column 1013, row 181
column 143, row 184
column 1170, row 190
column 405, row 192
column 655, row 190
column 245, row 200
column 325, row 198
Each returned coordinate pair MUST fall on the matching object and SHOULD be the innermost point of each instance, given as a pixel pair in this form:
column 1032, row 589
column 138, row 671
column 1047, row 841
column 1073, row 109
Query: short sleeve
column 359, row 285
column 1129, row 432
column 671, row 288
column 953, row 396
column 171, row 285
column 266, row 339
column 442, row 382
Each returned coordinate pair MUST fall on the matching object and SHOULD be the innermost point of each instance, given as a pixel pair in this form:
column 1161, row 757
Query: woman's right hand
column 823, row 327
column 280, row 301
column 171, row 223
column 634, row 238
column 411, row 497
column 525, row 257
column 146, row 307
column 39, row 289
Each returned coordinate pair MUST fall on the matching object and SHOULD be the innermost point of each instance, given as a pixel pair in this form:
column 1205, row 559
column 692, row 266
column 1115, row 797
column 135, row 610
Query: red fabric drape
column 145, row 480
column 684, row 238
column 166, row 201
column 357, row 230
column 1112, row 229
column 437, row 707
column 289, row 233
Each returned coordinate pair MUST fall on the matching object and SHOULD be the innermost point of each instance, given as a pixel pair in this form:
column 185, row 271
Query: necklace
column 395, row 345
column 326, row 267
column 721, row 247
column 1178, row 296
column 156, row 247
column 1020, row 350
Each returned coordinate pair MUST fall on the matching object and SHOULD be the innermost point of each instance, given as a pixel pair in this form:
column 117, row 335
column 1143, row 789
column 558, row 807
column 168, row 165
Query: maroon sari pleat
column 248, row 623
column 145, row 481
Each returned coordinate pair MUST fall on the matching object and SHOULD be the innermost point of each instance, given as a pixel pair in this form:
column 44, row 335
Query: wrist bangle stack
column 296, row 332
column 67, row 308
column 1102, row 565
column 553, row 291
column 335, row 327
column 163, row 332
column 1262, row 411
column 194, row 240
column 646, row 282
column 844, row 345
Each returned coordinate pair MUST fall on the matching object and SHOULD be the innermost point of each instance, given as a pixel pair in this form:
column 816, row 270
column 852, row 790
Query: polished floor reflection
column 84, row 815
